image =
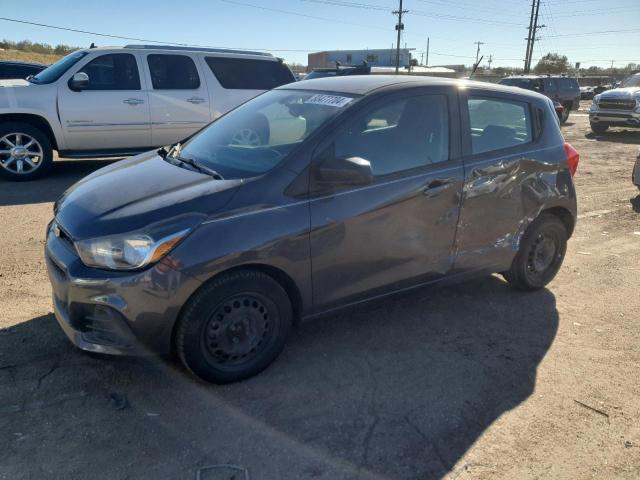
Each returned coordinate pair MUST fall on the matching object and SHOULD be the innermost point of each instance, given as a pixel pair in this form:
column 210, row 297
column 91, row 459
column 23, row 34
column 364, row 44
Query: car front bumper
column 629, row 118
column 118, row 313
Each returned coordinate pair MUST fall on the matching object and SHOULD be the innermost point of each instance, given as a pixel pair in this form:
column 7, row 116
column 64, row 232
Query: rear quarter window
column 568, row 84
column 249, row 74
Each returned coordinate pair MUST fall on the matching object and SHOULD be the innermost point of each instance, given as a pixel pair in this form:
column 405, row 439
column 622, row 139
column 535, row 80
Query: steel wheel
column 246, row 137
column 542, row 254
column 20, row 153
column 237, row 330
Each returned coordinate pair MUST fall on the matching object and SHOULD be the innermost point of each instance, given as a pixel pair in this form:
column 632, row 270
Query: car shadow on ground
column 62, row 175
column 616, row 136
column 398, row 389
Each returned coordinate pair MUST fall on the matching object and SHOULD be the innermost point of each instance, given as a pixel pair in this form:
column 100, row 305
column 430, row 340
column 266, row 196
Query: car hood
column 621, row 93
column 14, row 83
column 133, row 193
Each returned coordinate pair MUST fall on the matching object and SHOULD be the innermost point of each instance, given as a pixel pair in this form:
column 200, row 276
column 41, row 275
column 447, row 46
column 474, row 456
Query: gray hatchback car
column 358, row 187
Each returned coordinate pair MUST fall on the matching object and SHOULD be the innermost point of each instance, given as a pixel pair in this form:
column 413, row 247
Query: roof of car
column 365, row 84
column 174, row 48
column 540, row 76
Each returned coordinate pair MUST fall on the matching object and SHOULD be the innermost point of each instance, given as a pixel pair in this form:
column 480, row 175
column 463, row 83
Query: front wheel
column 599, row 127
column 234, row 327
column 564, row 116
column 25, row 152
column 540, row 255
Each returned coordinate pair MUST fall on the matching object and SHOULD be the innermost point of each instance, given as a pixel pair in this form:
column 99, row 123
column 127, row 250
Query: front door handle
column 195, row 100
column 436, row 186
column 133, row 101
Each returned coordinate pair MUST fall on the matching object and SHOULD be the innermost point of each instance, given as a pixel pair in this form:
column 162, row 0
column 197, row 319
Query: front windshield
column 632, row 81
column 55, row 71
column 258, row 135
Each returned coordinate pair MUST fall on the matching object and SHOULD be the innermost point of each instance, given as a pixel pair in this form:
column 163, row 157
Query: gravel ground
column 473, row 381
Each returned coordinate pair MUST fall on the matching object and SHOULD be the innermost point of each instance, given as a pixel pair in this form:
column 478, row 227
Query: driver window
column 118, row 71
column 400, row 135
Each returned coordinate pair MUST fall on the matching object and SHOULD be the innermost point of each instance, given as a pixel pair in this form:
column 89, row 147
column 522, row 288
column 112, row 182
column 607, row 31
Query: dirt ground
column 473, row 381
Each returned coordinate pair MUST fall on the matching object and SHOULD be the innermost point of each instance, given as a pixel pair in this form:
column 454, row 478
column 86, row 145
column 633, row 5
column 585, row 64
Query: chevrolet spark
column 355, row 188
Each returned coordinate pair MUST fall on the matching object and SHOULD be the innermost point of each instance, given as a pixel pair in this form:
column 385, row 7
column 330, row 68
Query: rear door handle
column 195, row 100
column 133, row 101
column 436, row 186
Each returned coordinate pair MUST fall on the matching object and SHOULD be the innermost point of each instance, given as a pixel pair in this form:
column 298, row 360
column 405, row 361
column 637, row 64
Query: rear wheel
column 234, row 327
column 540, row 255
column 599, row 127
column 25, row 152
column 565, row 115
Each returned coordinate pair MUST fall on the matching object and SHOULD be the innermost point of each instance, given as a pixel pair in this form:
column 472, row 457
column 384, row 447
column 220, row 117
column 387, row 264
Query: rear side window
column 399, row 135
column 498, row 123
column 246, row 74
column 117, row 71
column 173, row 72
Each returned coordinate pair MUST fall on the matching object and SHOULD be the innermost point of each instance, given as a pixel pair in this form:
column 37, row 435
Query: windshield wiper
column 198, row 166
column 32, row 79
column 174, row 154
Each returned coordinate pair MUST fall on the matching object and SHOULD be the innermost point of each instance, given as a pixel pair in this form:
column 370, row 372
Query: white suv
column 119, row 101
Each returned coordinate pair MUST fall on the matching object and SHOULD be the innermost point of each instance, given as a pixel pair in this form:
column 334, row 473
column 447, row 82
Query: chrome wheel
column 246, row 137
column 20, row 153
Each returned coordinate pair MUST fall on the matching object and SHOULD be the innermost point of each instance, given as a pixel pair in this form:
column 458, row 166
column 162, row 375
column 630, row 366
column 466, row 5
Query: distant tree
column 553, row 63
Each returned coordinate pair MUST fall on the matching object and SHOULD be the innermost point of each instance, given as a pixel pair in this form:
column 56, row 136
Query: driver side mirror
column 79, row 82
column 348, row 171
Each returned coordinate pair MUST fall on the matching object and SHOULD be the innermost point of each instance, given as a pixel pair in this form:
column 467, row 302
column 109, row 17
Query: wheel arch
column 284, row 280
column 37, row 121
column 565, row 216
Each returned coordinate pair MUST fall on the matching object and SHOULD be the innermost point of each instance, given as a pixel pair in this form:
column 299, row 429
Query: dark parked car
column 374, row 185
column 560, row 88
column 19, row 70
column 339, row 71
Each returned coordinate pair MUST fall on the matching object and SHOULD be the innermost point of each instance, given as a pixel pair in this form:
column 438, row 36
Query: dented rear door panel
column 505, row 190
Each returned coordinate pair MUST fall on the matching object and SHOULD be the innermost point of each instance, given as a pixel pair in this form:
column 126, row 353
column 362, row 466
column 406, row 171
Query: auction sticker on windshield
column 329, row 100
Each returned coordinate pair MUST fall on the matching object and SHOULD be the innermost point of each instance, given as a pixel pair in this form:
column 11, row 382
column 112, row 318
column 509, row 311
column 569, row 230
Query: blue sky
column 291, row 29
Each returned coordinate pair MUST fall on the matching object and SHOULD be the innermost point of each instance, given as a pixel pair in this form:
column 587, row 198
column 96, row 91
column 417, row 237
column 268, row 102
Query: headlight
column 131, row 251
column 596, row 100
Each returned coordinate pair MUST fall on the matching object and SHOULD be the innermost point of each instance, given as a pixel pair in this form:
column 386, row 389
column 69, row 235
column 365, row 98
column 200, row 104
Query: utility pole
column 399, row 28
column 421, row 58
column 427, row 52
column 533, row 30
column 478, row 50
column 533, row 35
column 489, row 61
column 526, row 55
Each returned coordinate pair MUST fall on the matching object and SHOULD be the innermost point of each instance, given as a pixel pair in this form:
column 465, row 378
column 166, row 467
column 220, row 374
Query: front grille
column 613, row 104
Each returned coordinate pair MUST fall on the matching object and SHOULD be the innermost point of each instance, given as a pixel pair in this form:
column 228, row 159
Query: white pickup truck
column 112, row 102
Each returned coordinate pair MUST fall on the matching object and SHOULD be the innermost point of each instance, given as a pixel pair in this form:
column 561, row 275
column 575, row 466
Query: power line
column 161, row 42
column 298, row 14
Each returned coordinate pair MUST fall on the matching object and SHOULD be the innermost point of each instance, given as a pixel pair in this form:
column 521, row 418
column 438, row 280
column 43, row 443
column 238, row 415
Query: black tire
column 565, row 115
column 45, row 159
column 540, row 255
column 599, row 127
column 234, row 327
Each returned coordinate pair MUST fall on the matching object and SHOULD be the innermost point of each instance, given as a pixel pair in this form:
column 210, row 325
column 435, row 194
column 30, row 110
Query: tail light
column 573, row 158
